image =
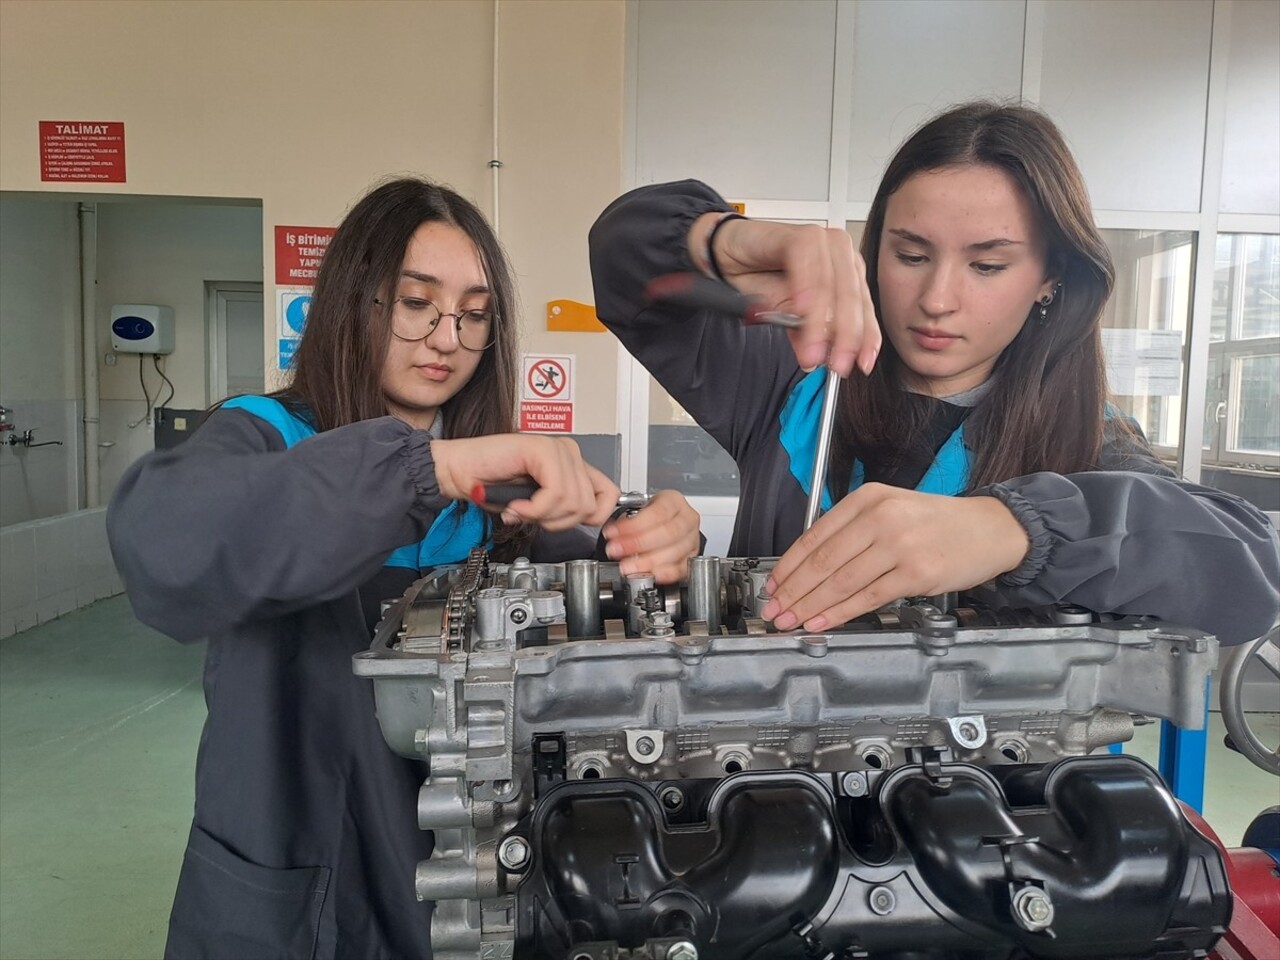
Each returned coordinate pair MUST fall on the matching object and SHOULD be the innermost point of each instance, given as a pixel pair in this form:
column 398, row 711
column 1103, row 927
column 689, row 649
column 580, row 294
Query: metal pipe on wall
column 88, row 217
column 495, row 164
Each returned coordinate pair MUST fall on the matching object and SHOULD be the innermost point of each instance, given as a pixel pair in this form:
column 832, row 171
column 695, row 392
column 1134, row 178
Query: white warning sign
column 546, row 394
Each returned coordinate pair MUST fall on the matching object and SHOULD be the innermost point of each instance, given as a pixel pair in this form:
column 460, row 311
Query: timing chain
column 461, row 603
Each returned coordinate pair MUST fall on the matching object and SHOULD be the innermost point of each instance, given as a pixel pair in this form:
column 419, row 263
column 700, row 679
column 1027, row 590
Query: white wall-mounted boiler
column 141, row 328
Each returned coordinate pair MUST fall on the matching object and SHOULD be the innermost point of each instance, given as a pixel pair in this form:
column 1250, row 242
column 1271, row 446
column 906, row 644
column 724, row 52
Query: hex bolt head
column 1032, row 909
column 519, row 615
column 969, row 731
column 882, row 901
column 854, row 784
column 682, row 950
column 513, row 853
column 645, row 745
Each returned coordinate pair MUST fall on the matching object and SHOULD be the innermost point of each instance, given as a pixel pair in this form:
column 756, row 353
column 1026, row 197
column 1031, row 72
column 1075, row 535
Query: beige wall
column 560, row 118
column 304, row 105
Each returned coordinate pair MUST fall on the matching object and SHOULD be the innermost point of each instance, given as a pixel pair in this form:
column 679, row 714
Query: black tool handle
column 501, row 494
column 702, row 293
column 695, row 290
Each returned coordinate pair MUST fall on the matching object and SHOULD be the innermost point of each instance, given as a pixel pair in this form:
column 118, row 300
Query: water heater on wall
column 141, row 328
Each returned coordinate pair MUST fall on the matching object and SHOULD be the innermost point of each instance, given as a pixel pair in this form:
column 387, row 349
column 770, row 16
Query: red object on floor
column 1254, row 933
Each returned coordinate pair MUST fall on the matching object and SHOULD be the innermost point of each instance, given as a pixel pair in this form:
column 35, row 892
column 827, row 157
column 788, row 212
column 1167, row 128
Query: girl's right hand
column 807, row 270
column 659, row 539
column 571, row 490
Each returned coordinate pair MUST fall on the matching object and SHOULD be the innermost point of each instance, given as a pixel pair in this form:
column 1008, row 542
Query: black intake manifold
column 1087, row 857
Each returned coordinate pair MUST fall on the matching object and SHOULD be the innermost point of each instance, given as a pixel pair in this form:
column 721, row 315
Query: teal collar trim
column 292, row 427
column 798, row 431
column 449, row 540
column 947, row 475
column 949, row 472
column 451, row 535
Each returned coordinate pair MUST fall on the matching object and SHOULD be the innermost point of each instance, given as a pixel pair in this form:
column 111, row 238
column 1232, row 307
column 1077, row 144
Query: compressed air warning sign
column 546, row 394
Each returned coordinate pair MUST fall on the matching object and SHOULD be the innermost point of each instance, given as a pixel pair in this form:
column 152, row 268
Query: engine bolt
column 660, row 626
column 519, row 615
column 854, row 784
column 644, row 746
column 969, row 731
column 513, row 853
column 882, row 901
column 682, row 950
column 1033, row 909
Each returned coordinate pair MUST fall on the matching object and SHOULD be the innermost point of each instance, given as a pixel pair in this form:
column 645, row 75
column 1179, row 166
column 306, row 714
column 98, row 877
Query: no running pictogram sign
column 547, row 378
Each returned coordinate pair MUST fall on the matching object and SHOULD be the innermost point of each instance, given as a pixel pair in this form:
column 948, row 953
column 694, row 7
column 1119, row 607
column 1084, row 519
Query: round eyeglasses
column 413, row 319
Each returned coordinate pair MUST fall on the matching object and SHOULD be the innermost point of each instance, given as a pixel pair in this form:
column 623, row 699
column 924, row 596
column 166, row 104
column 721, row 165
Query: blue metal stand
column 1182, row 759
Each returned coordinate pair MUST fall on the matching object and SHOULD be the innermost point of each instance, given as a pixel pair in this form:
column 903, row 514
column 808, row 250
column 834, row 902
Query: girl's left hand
column 659, row 539
column 881, row 544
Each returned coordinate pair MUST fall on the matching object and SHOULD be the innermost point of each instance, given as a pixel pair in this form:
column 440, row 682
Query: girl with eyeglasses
column 278, row 528
column 974, row 444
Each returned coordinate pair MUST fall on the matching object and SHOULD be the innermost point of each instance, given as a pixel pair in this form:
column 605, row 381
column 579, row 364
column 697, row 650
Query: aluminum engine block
column 540, row 692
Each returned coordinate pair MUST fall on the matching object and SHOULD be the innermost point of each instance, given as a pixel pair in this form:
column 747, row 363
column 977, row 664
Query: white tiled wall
column 53, row 566
column 40, row 481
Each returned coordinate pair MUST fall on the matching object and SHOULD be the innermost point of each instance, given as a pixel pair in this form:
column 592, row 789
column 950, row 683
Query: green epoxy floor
column 99, row 721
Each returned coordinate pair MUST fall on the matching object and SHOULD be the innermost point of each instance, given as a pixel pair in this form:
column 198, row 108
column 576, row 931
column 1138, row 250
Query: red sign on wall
column 546, row 417
column 298, row 254
column 81, row 151
column 546, row 394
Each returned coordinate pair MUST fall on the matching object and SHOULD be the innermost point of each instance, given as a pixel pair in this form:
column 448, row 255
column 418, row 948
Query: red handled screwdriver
column 695, row 290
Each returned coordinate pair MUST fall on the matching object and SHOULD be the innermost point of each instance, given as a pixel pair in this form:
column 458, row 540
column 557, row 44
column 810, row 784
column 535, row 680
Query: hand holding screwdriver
column 701, row 292
column 813, row 271
column 568, row 490
column 695, row 290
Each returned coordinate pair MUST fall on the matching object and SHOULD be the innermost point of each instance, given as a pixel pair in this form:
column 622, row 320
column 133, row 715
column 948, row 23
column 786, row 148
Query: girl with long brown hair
column 277, row 529
column 974, row 445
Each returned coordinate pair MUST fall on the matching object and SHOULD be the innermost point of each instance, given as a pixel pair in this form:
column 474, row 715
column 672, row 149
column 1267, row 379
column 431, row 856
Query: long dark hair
column 1046, row 406
column 337, row 370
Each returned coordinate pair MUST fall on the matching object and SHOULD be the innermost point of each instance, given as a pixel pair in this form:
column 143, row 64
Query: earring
column 1044, row 305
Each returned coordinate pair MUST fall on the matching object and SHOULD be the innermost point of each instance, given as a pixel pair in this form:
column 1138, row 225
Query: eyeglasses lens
column 414, row 319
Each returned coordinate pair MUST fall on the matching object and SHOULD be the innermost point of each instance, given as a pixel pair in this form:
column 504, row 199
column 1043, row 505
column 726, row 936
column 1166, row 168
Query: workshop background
column 241, row 117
